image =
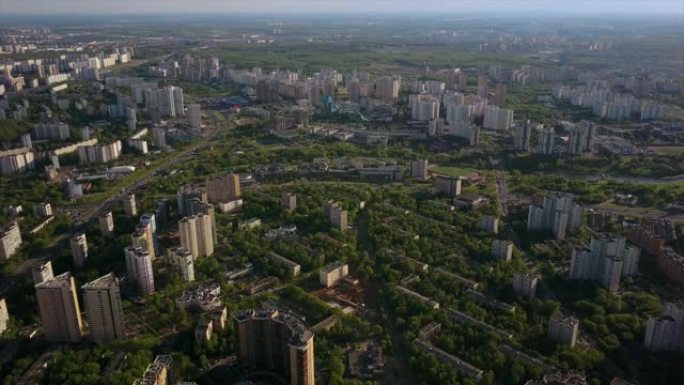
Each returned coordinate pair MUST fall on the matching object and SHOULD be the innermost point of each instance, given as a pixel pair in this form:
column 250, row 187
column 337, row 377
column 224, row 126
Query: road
column 501, row 190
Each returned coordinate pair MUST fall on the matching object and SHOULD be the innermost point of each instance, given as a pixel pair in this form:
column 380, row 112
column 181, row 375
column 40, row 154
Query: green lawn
column 453, row 171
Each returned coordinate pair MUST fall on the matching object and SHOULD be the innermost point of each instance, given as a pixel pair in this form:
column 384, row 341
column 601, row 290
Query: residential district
column 259, row 203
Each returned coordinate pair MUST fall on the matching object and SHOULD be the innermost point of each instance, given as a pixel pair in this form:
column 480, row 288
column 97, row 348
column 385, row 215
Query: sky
column 43, row 7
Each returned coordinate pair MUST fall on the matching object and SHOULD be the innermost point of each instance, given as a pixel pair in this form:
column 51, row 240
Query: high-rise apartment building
column 289, row 201
column 456, row 80
column 387, row 88
column 195, row 116
column 139, row 269
column 4, row 315
column 666, row 332
column 267, row 91
column 42, row 272
column 502, row 250
column 169, row 101
column 336, row 215
column 277, row 341
column 10, row 240
column 563, row 330
column 496, row 118
column 482, row 86
column 59, row 309
column 419, row 169
column 188, row 196
column 457, row 114
column 106, row 222
column 42, row 209
column 150, row 219
column 523, row 133
column 607, row 260
column 547, row 141
column 103, row 309
column 223, row 188
column 424, row 107
column 183, row 258
column 142, row 237
column 557, row 214
column 581, row 136
column 129, row 205
column 490, row 224
column 79, row 249
column 58, row 131
column 525, row 285
column 500, row 95
column 196, row 235
column 100, row 153
column 17, row 160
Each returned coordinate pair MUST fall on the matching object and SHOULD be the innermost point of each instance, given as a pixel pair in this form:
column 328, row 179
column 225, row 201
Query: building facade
column 103, row 309
column 59, row 309
column 10, row 240
column 139, row 269
column 277, row 341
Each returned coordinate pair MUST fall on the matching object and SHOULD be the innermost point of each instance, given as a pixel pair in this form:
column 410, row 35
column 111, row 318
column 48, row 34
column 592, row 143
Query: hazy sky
column 672, row 7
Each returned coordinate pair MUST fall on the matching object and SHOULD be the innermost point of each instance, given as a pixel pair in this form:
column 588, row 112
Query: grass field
column 667, row 150
column 453, row 171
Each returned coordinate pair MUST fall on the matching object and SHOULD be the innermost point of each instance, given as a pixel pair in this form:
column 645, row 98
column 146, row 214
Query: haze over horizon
column 93, row 7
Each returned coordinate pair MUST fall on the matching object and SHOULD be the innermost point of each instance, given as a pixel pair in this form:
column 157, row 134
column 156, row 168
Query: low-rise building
column 159, row 372
column 204, row 297
column 448, row 185
column 293, row 268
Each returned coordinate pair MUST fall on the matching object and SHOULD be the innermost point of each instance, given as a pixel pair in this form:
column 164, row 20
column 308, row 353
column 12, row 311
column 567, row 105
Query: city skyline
column 512, row 7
